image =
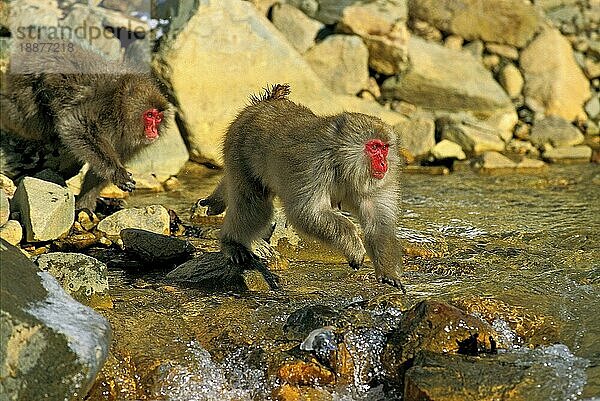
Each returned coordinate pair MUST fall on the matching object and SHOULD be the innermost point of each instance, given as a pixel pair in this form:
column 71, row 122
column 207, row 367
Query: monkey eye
column 149, row 114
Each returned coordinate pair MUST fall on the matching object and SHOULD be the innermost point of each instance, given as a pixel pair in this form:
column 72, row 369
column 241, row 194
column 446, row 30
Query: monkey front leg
column 96, row 150
column 327, row 225
column 378, row 220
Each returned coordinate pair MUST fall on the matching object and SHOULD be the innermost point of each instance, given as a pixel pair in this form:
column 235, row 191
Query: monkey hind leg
column 90, row 190
column 215, row 202
column 250, row 212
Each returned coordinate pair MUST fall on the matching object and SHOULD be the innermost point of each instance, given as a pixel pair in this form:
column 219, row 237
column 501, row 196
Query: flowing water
column 531, row 242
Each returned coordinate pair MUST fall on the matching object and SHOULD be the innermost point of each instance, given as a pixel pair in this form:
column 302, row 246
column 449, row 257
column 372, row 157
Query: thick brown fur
column 92, row 105
column 276, row 147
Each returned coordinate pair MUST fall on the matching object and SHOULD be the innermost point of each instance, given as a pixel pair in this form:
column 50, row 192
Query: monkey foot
column 394, row 282
column 355, row 265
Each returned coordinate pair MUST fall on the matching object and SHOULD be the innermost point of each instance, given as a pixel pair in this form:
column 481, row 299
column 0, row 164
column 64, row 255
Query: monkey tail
column 274, row 92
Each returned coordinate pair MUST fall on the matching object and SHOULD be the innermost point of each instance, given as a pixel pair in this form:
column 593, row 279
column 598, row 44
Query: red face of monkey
column 377, row 150
column 152, row 119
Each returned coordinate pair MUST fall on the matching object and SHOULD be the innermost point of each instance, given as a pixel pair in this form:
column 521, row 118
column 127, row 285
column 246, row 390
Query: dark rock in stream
column 549, row 373
column 51, row 347
column 156, row 248
column 212, row 270
column 437, row 327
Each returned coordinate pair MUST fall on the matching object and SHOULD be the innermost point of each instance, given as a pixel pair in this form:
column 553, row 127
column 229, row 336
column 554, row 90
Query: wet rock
column 555, row 131
column 473, row 137
column 518, row 375
column 11, row 232
column 83, row 277
column 494, row 162
column 77, row 240
column 213, row 270
column 570, row 154
column 433, row 326
column 341, row 62
column 262, row 57
column 417, row 135
column 511, row 80
column 305, row 373
column 7, row 186
column 156, row 248
column 444, row 79
column 472, row 20
column 549, row 58
column 162, row 159
column 287, row 392
column 527, row 164
column 381, row 25
column 304, row 320
column 154, row 218
column 446, row 149
column 506, row 51
column 299, row 29
column 4, row 208
column 47, row 210
column 52, row 347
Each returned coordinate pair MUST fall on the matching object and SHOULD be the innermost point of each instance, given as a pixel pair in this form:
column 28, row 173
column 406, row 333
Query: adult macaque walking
column 102, row 111
column 313, row 164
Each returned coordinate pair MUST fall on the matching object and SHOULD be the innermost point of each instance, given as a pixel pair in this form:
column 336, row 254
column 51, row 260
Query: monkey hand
column 124, row 181
column 213, row 207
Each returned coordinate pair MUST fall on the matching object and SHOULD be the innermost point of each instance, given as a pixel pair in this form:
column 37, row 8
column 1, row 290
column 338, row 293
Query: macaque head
column 144, row 108
column 377, row 151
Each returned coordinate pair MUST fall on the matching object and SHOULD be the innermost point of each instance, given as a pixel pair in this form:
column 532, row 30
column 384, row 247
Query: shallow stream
column 529, row 242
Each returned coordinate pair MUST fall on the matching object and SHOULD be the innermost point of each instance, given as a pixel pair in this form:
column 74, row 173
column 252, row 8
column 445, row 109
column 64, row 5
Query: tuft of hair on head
column 273, row 92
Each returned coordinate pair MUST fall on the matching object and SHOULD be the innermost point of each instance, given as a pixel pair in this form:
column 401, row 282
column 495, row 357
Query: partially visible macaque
column 102, row 111
column 314, row 164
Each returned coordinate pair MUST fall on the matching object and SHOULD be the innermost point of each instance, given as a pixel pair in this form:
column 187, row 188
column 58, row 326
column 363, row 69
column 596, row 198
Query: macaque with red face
column 102, row 111
column 314, row 164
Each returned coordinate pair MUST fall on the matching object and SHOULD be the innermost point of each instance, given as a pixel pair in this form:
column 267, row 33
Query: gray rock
column 47, row 210
column 446, row 149
column 7, row 186
column 445, row 79
column 382, row 26
column 549, row 59
column 327, row 11
column 592, row 107
column 51, row 347
column 11, row 232
column 494, row 161
column 83, row 277
column 156, row 248
column 299, row 29
column 4, row 208
column 341, row 61
column 154, row 218
column 555, row 131
column 507, row 51
column 417, row 135
column 571, row 154
column 473, row 20
column 472, row 138
column 475, row 48
column 511, row 80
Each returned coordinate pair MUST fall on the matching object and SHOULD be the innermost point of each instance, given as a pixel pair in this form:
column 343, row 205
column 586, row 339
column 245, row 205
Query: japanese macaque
column 102, row 111
column 314, row 164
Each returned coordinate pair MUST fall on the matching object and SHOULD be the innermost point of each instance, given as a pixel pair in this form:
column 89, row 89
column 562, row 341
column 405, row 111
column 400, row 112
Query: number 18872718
column 50, row 47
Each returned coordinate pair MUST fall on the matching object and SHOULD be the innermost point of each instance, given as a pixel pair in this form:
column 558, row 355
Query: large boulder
column 51, row 347
column 382, row 26
column 556, row 132
column 47, row 209
column 228, row 51
column 503, row 21
column 341, row 61
column 446, row 79
column 553, row 79
column 153, row 218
